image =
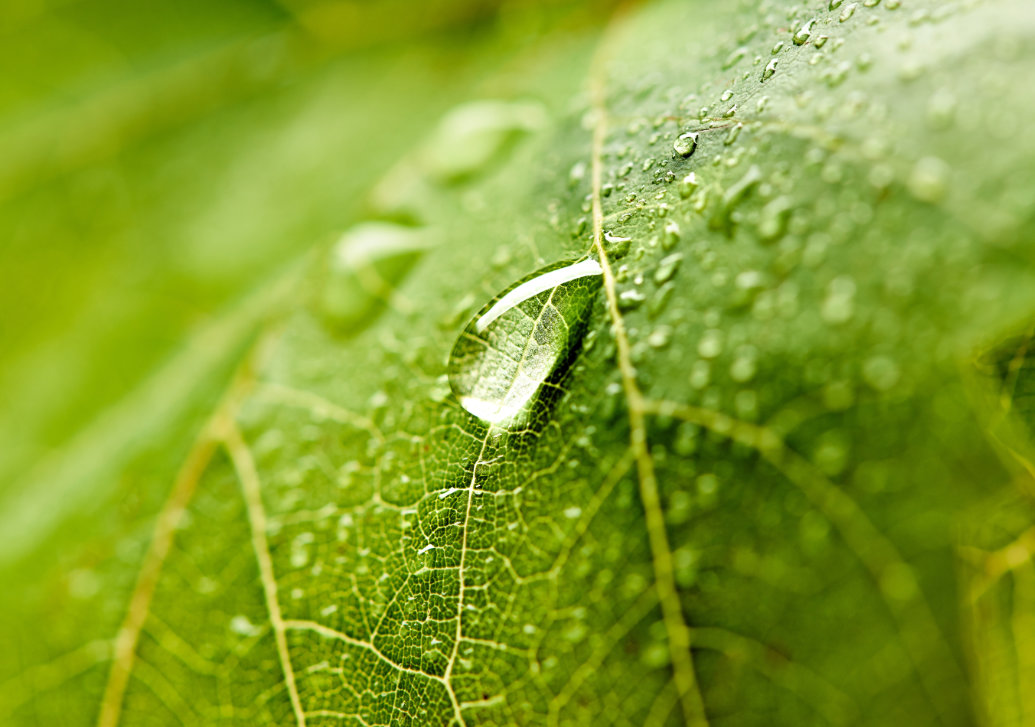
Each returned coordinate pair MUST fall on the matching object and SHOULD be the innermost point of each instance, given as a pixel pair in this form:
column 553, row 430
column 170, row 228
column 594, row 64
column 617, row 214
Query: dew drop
column 685, row 144
column 710, row 344
column 770, row 69
column 523, row 342
column 929, row 179
column 847, row 13
column 734, row 57
column 687, row 185
column 617, row 246
column 804, row 33
column 363, row 269
column 472, row 135
column 732, row 134
column 667, row 268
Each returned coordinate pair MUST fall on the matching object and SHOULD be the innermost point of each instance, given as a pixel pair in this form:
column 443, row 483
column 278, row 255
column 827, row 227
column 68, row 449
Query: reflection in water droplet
column 521, row 344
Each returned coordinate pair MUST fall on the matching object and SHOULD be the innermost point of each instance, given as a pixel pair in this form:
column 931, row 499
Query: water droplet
column 471, row 135
column 617, row 247
column 726, row 95
column 688, row 185
column 804, row 33
column 848, row 12
column 667, row 268
column 929, row 179
column 777, row 48
column 577, row 173
column 880, row 372
column 838, row 307
column 629, row 299
column 770, row 69
column 659, row 337
column 242, row 626
column 364, row 267
column 835, row 4
column 745, row 365
column 772, row 220
column 685, row 144
column 671, row 236
column 732, row 134
column 734, row 57
column 710, row 344
column 821, row 41
column 523, row 342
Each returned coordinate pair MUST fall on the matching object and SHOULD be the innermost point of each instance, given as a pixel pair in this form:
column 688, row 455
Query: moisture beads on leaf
column 521, row 344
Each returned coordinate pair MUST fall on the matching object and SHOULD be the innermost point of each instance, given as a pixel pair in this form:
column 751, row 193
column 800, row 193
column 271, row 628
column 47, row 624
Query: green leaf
column 767, row 485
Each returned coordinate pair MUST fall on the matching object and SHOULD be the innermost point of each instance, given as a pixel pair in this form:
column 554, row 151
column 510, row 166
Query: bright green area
column 834, row 287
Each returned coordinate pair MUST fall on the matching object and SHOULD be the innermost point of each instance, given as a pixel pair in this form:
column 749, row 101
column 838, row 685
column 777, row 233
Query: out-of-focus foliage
column 240, row 241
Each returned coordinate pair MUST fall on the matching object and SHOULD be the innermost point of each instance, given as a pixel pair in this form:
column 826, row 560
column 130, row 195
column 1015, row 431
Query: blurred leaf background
column 161, row 158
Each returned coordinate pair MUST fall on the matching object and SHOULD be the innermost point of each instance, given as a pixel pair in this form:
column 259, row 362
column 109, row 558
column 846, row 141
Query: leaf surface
column 743, row 503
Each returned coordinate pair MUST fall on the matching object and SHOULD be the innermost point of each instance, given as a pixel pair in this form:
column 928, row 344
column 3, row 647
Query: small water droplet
column 880, row 372
column 835, row 4
column 687, row 185
column 667, row 268
column 838, row 307
column 804, row 33
column 617, row 247
column 471, row 135
column 732, row 134
column 770, row 69
column 672, row 234
column 849, row 11
column 929, row 179
column 726, row 95
column 734, row 57
column 821, row 41
column 577, row 173
column 777, row 48
column 659, row 337
column 523, row 342
column 363, row 270
column 685, row 144
column 710, row 344
column 629, row 299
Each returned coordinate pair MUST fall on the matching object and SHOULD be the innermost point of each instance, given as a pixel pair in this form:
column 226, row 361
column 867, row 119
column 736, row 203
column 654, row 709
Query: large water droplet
column 517, row 349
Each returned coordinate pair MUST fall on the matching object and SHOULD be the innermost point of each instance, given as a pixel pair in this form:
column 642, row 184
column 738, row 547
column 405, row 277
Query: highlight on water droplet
column 516, row 351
